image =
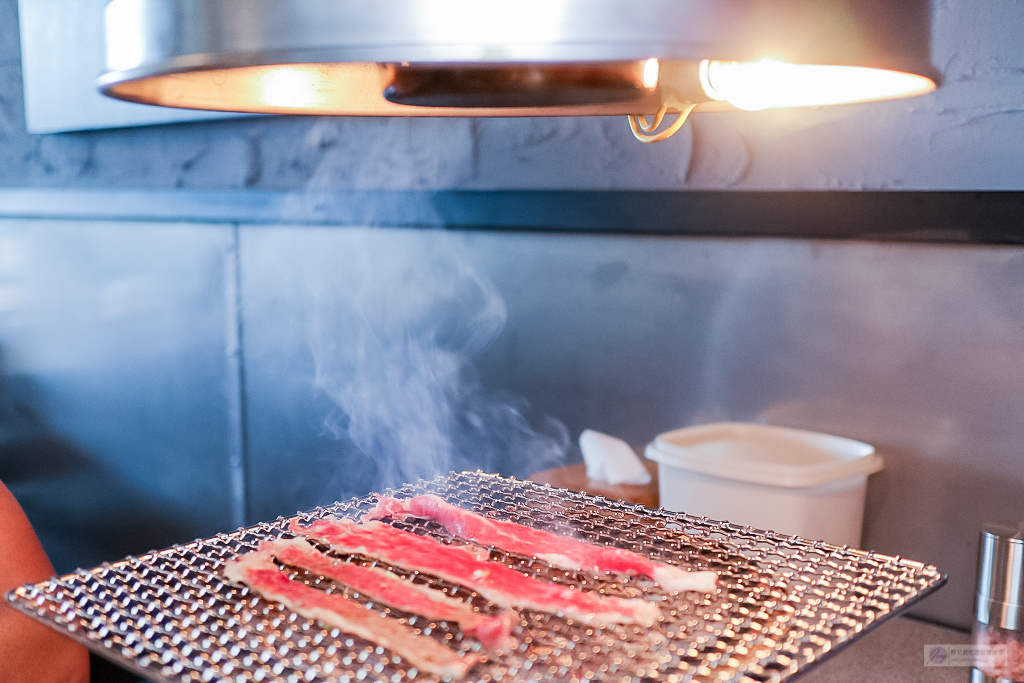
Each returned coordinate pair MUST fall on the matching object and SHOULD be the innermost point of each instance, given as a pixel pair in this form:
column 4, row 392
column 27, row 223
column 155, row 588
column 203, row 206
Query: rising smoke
column 395, row 324
column 393, row 332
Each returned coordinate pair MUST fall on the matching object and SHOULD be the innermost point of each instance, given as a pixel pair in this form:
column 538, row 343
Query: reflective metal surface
column 313, row 56
column 783, row 603
column 193, row 33
column 61, row 54
column 1001, row 576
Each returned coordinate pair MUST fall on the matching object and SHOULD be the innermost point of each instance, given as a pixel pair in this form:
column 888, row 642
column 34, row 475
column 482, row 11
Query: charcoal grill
column 783, row 602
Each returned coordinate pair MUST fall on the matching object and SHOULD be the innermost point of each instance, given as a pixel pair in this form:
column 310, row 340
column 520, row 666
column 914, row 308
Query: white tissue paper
column 611, row 459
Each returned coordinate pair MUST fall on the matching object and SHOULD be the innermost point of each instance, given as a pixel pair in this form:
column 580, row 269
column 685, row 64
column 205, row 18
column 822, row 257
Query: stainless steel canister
column 999, row 625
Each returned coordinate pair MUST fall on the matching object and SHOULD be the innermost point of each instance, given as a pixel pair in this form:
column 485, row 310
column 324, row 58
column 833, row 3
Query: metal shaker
column 999, row 623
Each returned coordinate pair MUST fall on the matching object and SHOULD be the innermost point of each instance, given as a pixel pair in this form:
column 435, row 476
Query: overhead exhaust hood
column 647, row 60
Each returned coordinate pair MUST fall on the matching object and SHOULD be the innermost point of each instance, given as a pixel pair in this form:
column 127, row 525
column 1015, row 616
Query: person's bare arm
column 30, row 652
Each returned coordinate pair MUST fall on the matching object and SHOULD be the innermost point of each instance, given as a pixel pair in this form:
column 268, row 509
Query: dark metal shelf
column 947, row 217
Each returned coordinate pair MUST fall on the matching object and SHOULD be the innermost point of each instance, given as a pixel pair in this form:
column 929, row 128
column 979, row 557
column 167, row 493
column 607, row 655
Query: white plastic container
column 787, row 480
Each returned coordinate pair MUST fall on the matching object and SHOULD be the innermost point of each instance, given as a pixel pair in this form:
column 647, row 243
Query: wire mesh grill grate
column 782, row 603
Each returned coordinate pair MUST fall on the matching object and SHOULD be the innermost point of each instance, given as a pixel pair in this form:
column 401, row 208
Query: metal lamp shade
column 480, row 57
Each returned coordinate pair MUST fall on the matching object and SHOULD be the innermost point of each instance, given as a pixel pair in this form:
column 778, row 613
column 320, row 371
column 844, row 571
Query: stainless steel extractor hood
column 522, row 58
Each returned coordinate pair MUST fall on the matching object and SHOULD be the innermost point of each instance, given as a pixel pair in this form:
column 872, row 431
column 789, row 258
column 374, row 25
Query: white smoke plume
column 393, row 334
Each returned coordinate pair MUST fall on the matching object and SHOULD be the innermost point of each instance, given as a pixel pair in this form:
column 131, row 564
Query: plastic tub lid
column 762, row 454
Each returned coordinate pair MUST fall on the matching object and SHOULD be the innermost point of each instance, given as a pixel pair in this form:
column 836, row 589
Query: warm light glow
column 769, row 84
column 287, row 86
column 322, row 88
column 651, row 71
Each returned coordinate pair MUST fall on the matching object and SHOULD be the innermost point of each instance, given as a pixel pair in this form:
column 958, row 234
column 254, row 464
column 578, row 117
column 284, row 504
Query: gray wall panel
column 294, row 461
column 918, row 350
column 606, row 333
column 113, row 392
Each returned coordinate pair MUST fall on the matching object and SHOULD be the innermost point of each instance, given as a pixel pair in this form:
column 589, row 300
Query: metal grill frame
column 783, row 602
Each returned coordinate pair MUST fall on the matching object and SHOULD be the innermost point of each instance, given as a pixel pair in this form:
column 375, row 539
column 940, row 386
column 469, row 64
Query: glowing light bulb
column 286, row 86
column 770, row 84
column 651, row 72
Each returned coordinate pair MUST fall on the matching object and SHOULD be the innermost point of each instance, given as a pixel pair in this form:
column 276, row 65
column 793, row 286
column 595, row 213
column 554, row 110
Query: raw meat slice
column 386, row 587
column 258, row 571
column 561, row 551
column 496, row 582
